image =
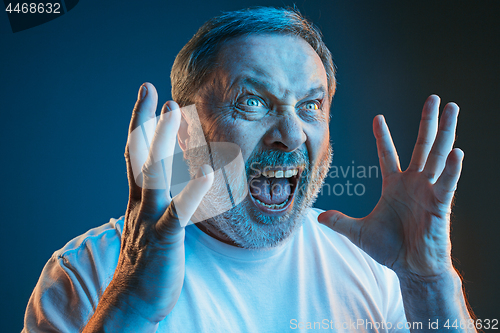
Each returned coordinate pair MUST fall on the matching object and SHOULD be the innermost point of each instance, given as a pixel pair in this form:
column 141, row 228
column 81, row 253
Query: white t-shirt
column 316, row 282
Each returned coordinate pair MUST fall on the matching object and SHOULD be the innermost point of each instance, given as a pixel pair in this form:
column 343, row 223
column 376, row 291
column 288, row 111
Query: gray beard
column 239, row 220
column 244, row 224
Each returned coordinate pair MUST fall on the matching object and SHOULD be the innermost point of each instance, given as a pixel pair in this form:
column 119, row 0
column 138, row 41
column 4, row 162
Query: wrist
column 437, row 298
column 125, row 298
column 116, row 313
column 446, row 280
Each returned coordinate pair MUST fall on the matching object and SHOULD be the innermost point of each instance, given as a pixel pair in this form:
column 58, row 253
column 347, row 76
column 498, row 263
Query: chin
column 248, row 227
column 264, row 219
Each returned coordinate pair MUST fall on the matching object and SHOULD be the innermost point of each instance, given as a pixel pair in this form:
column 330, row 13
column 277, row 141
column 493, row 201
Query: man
column 261, row 79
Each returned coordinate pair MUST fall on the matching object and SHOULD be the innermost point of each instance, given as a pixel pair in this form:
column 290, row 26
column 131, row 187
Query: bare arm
column 436, row 302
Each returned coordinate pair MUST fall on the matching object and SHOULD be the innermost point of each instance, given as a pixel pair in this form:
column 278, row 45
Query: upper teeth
column 280, row 173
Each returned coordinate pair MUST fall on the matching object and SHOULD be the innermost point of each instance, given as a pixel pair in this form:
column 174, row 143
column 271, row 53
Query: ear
column 182, row 134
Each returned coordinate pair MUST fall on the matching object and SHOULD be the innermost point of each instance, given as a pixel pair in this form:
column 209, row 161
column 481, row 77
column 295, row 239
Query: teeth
column 280, row 173
column 273, row 206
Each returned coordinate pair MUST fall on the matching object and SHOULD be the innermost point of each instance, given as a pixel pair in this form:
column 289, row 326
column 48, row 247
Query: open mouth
column 273, row 190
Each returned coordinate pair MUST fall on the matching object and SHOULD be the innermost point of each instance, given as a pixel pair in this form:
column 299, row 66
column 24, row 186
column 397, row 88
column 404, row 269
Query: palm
column 408, row 230
column 419, row 222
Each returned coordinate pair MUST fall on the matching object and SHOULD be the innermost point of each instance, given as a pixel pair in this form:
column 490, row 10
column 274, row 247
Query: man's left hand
column 409, row 229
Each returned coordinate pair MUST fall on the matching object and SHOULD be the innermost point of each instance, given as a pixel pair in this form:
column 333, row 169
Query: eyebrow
column 260, row 85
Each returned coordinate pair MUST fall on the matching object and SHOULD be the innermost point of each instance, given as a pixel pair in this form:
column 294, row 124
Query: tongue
column 270, row 190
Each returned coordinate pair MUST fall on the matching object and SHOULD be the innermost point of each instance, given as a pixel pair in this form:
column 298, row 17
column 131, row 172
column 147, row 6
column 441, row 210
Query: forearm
column 437, row 301
column 117, row 313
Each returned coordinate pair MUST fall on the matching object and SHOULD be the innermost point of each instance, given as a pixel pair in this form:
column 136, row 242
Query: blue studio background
column 67, row 89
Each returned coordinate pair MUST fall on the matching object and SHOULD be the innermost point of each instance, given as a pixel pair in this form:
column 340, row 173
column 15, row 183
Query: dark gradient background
column 67, row 89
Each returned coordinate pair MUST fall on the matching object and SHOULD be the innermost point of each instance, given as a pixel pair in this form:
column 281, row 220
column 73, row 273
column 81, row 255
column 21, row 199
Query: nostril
column 280, row 145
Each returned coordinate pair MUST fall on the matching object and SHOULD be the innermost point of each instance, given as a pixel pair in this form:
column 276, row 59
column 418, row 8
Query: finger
column 426, row 133
column 188, row 200
column 343, row 224
column 443, row 143
column 157, row 171
column 387, row 155
column 447, row 183
column 139, row 137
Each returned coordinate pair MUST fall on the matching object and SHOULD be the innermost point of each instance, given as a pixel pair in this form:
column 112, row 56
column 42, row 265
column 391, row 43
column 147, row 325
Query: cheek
column 318, row 137
column 247, row 135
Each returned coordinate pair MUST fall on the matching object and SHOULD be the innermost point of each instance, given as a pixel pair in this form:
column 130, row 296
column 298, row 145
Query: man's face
column 269, row 95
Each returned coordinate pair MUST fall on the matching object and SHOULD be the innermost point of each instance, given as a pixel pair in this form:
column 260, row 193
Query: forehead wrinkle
column 268, row 87
column 284, row 61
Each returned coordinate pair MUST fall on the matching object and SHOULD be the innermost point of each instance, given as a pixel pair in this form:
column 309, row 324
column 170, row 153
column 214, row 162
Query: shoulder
column 89, row 259
column 104, row 235
column 93, row 256
column 74, row 278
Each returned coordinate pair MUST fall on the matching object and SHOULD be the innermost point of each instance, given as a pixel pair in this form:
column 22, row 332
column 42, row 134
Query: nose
column 287, row 133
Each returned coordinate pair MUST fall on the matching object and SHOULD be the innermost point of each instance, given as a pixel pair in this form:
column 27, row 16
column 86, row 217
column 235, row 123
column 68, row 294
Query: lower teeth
column 273, row 206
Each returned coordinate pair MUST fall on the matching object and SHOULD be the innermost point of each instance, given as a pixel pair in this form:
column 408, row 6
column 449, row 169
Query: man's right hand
column 150, row 272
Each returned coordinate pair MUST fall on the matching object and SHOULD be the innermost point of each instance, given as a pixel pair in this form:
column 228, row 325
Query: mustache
column 268, row 159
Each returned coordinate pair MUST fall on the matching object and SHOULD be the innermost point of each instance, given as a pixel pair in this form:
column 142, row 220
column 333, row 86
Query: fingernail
column 166, row 109
column 381, row 120
column 143, row 91
column 200, row 173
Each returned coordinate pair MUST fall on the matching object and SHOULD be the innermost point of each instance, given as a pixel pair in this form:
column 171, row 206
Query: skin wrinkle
column 391, row 266
column 402, row 227
column 289, row 70
column 432, row 235
column 285, row 134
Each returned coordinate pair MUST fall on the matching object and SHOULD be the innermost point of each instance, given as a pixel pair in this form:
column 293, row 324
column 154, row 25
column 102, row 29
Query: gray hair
column 197, row 58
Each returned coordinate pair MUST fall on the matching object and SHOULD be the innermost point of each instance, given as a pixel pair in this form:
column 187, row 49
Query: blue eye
column 311, row 106
column 251, row 107
column 253, row 102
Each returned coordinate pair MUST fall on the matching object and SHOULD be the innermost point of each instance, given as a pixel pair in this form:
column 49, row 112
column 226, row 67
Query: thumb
column 185, row 203
column 190, row 197
column 343, row 224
